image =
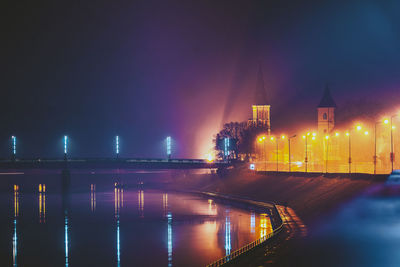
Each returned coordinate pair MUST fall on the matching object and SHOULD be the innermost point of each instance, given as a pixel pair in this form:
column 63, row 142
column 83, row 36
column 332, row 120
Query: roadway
column 111, row 163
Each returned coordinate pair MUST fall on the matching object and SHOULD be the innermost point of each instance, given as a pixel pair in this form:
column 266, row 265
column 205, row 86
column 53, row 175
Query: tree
column 241, row 138
column 233, row 131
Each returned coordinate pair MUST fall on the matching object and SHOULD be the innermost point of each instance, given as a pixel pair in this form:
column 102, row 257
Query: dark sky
column 148, row 69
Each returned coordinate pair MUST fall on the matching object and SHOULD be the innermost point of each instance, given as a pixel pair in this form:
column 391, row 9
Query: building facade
column 261, row 107
column 326, row 113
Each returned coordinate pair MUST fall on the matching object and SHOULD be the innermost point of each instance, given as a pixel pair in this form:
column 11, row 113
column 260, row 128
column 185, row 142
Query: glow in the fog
column 117, row 144
column 14, row 144
column 65, row 144
column 169, row 149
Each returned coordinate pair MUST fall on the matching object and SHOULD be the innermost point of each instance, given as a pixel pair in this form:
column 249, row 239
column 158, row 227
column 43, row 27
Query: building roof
column 261, row 97
column 327, row 100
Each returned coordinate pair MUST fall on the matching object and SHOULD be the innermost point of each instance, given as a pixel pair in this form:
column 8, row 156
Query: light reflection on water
column 196, row 230
column 16, row 212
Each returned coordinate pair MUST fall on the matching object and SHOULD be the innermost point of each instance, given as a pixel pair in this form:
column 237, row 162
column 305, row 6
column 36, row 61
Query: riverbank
column 309, row 196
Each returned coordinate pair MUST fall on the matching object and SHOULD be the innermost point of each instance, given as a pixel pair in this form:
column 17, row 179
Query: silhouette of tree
column 242, row 138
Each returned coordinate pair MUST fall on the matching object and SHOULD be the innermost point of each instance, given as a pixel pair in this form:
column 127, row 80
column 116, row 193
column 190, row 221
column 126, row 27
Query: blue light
column 252, row 166
column 15, row 244
column 228, row 246
column 66, row 240
column 252, row 222
column 169, row 150
column 169, row 216
column 65, row 144
column 14, row 144
column 117, row 144
column 226, row 146
column 118, row 245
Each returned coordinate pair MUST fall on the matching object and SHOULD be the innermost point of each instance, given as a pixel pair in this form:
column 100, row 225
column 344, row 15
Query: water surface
column 109, row 220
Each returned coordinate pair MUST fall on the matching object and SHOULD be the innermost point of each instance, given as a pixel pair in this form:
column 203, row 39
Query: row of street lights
column 348, row 133
column 168, row 142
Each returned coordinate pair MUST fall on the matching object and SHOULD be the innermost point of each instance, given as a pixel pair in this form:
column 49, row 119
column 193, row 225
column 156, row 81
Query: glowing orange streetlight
column 290, row 160
column 261, row 139
column 306, row 152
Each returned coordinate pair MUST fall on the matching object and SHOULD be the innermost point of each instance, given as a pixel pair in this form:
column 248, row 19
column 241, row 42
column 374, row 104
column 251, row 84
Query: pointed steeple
column 261, row 97
column 327, row 100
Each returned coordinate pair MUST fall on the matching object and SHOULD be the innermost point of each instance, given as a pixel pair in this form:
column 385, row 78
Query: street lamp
column 277, row 159
column 327, row 154
column 375, row 157
column 306, row 155
column 65, row 146
column 262, row 140
column 117, row 145
column 14, row 146
column 169, row 148
column 290, row 160
column 358, row 128
column 391, row 140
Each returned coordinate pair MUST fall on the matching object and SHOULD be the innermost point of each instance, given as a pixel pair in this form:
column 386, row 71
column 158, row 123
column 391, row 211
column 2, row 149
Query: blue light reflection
column 66, row 243
column 228, row 246
column 169, row 216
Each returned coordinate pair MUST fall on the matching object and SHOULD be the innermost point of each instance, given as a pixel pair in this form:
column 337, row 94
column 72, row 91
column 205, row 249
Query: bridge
column 111, row 163
column 108, row 163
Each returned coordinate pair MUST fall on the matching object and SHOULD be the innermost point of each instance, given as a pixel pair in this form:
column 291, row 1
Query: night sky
column 148, row 69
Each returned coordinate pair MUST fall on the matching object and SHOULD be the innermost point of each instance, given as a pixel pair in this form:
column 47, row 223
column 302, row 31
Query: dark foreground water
column 114, row 220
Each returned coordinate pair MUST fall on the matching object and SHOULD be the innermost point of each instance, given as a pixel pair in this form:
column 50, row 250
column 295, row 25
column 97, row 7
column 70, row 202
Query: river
column 90, row 219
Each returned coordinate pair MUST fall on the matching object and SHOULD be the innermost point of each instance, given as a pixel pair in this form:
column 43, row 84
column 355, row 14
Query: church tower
column 261, row 108
column 326, row 113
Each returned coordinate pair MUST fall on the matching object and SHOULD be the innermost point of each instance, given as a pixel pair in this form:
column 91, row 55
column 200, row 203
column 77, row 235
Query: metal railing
column 247, row 247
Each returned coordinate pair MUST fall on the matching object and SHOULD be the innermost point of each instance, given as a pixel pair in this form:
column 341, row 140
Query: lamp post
column 117, row 146
column 277, row 160
column 290, row 160
column 262, row 139
column 348, row 133
column 13, row 147
column 327, row 154
column 306, row 154
column 169, row 149
column 391, row 140
column 65, row 146
column 385, row 121
column 375, row 158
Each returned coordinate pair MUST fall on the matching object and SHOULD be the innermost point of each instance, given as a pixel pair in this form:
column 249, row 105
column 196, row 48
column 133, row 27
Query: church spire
column 327, row 100
column 261, row 97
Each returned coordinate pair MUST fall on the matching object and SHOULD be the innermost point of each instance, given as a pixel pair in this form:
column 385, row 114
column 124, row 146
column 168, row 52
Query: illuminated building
column 326, row 113
column 261, row 107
